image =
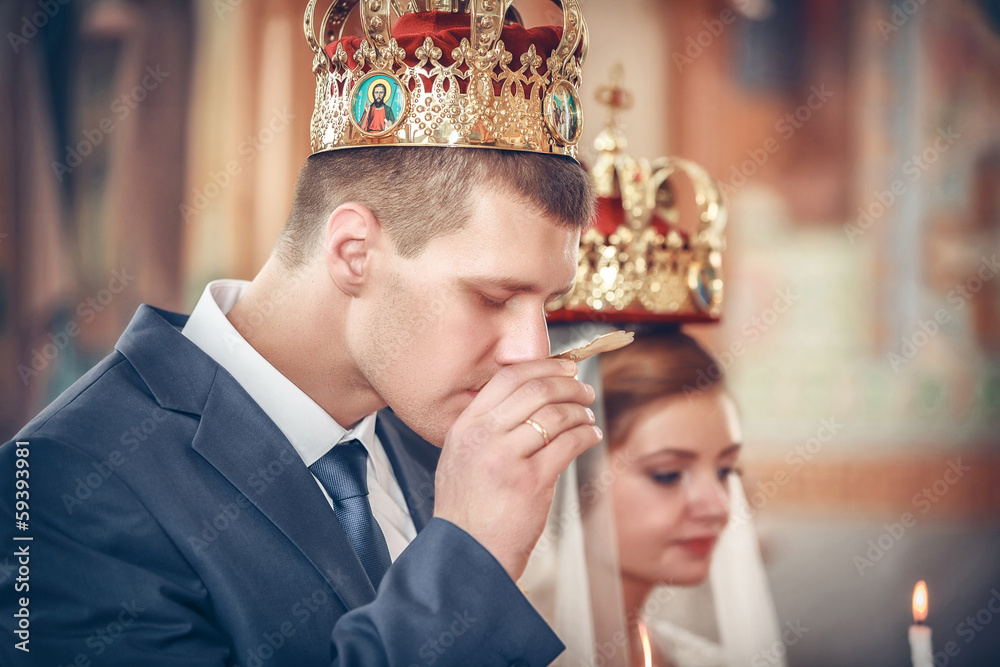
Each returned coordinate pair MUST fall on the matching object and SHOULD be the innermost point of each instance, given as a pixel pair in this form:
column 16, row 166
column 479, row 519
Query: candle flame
column 920, row 601
column 647, row 650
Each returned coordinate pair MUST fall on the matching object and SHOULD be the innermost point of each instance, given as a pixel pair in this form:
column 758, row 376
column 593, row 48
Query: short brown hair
column 418, row 193
column 655, row 366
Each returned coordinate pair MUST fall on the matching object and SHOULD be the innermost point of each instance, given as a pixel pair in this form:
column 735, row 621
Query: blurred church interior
column 152, row 146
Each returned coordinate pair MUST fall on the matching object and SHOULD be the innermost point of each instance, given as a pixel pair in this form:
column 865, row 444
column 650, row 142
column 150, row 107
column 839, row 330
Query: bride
column 681, row 440
column 650, row 559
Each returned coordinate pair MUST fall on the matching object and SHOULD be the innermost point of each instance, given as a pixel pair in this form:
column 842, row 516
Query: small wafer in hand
column 605, row 343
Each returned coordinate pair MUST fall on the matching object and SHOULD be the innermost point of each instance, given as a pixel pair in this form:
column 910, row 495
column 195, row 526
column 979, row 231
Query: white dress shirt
column 310, row 429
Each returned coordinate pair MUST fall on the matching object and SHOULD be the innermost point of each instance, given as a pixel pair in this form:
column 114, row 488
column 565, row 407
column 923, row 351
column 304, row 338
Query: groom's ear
column 352, row 234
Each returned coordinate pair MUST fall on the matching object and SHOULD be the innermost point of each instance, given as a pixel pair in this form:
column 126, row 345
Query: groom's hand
column 496, row 475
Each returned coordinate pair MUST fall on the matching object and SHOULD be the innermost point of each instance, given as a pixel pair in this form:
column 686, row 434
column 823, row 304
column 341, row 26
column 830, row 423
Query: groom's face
column 441, row 324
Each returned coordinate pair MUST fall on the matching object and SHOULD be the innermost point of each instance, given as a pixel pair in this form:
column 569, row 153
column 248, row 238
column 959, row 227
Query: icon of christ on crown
column 378, row 112
column 378, row 103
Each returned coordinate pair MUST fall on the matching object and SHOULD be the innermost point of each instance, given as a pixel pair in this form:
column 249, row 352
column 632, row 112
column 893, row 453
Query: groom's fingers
column 555, row 457
column 540, row 399
column 510, row 378
column 496, row 474
column 546, row 425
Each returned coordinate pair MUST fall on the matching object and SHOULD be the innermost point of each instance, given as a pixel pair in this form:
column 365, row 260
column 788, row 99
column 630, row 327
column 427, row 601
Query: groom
column 227, row 489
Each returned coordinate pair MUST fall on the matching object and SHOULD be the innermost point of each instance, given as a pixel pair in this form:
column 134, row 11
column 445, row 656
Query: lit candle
column 921, row 652
column 647, row 649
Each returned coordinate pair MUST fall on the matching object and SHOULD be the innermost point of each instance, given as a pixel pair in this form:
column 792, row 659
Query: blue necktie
column 343, row 472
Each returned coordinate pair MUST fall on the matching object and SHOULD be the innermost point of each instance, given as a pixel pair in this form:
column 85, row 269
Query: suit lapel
column 414, row 461
column 244, row 445
column 238, row 439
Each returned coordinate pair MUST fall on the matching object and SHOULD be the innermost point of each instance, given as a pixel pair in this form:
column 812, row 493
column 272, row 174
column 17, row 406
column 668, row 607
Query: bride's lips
column 700, row 547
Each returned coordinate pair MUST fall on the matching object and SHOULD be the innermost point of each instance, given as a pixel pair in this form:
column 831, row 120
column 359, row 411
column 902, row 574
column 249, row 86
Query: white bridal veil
column 572, row 577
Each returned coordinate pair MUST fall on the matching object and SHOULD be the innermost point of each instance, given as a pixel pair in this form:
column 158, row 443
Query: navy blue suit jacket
column 174, row 524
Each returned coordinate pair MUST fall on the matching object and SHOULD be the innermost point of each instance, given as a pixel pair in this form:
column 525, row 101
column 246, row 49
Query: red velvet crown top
column 447, row 30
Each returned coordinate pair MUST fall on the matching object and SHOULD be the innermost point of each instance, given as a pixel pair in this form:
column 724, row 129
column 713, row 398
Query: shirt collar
column 308, row 427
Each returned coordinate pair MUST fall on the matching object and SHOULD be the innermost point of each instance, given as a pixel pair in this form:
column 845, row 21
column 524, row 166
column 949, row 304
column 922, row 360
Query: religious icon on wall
column 378, row 104
column 562, row 112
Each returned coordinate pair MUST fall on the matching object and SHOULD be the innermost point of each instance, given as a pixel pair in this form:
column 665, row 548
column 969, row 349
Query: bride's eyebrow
column 733, row 449
column 685, row 454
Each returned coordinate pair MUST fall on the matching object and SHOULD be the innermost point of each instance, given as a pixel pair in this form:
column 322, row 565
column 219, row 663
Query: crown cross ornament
column 442, row 74
column 636, row 264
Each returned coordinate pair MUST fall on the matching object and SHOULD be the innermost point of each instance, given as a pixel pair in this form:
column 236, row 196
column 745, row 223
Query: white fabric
column 685, row 648
column 748, row 621
column 729, row 620
column 309, row 428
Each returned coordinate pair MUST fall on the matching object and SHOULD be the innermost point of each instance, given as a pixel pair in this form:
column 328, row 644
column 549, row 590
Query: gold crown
column 636, row 264
column 376, row 92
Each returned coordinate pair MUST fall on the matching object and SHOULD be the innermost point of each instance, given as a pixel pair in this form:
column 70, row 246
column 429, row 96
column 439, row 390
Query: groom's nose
column 523, row 338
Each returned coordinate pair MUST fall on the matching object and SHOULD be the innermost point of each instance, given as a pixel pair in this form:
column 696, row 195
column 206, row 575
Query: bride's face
column 671, row 501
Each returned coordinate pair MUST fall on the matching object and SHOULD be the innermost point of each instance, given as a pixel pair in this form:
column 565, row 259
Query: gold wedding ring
column 538, row 427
